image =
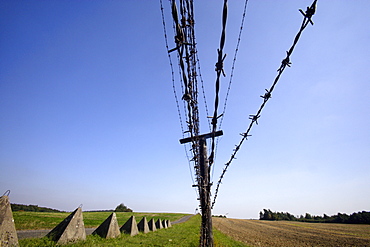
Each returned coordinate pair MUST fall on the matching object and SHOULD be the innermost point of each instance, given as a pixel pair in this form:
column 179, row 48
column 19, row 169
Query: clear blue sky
column 88, row 115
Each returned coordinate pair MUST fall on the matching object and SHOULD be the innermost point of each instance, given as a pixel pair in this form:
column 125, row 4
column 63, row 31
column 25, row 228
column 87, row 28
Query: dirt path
column 42, row 233
column 183, row 219
column 285, row 233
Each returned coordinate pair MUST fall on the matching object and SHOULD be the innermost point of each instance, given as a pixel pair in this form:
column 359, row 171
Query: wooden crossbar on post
column 205, row 136
column 204, row 186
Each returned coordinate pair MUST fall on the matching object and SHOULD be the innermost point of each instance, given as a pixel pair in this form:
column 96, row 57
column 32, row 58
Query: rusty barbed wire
column 234, row 61
column 186, row 51
column 203, row 91
column 231, row 74
column 187, row 21
column 219, row 70
column 175, row 92
column 307, row 16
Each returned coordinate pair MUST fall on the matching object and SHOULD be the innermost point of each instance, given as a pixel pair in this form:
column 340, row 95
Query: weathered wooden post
column 204, row 186
column 205, row 196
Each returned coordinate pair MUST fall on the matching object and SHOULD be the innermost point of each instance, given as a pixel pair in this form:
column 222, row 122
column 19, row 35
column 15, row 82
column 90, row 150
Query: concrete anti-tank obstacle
column 130, row 227
column 168, row 222
column 158, row 224
column 71, row 229
column 8, row 234
column 164, row 223
column 109, row 228
column 151, row 225
column 143, row 225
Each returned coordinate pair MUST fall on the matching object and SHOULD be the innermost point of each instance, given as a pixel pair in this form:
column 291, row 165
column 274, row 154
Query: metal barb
column 220, row 64
column 245, row 135
column 267, row 95
column 310, row 11
column 254, row 118
column 186, row 97
column 285, row 62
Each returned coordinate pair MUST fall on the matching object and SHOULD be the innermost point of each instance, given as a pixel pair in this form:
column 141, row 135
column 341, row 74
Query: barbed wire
column 219, row 70
column 203, row 92
column 188, row 24
column 175, row 92
column 231, row 74
column 254, row 118
column 234, row 61
column 186, row 50
column 171, row 67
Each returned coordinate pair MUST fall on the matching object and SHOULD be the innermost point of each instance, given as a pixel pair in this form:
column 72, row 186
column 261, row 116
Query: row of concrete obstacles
column 130, row 227
column 110, row 229
column 72, row 228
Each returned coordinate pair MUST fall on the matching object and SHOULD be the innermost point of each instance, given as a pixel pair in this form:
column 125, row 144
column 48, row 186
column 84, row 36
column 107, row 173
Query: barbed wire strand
column 191, row 97
column 175, row 92
column 203, row 92
column 186, row 48
column 233, row 64
column 254, row 118
column 188, row 26
column 231, row 75
column 219, row 70
column 192, row 75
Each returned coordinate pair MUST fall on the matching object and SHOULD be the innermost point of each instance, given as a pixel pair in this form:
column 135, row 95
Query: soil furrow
column 284, row 233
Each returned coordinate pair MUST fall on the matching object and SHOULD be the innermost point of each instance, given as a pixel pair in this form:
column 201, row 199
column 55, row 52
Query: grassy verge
column 221, row 239
column 184, row 234
column 40, row 220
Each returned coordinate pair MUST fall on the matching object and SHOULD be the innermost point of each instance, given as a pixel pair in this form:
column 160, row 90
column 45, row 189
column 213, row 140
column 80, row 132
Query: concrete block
column 164, row 223
column 8, row 234
column 168, row 223
column 109, row 228
column 143, row 225
column 151, row 225
column 130, row 227
column 71, row 229
column 158, row 224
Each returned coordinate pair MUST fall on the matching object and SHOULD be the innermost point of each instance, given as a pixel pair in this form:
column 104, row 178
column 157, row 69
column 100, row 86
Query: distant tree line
column 219, row 216
column 355, row 218
column 36, row 208
column 31, row 208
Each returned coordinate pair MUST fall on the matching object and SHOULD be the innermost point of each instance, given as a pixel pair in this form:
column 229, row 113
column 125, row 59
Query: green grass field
column 40, row 220
column 184, row 234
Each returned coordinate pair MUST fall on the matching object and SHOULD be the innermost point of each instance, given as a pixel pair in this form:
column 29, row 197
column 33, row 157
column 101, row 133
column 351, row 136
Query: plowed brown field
column 288, row 233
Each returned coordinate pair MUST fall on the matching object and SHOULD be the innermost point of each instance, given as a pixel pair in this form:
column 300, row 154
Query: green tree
column 122, row 208
column 267, row 215
column 341, row 218
column 308, row 216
